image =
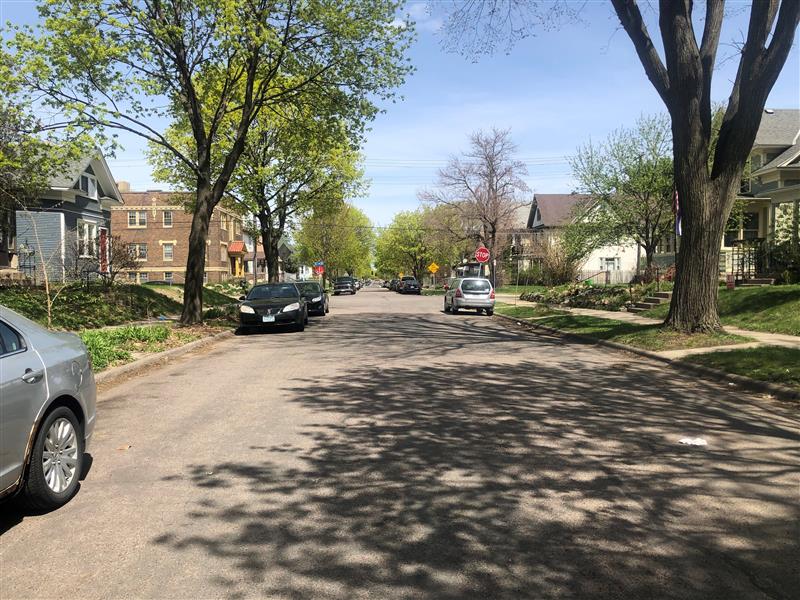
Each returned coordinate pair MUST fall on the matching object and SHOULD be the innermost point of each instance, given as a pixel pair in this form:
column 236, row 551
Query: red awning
column 236, row 247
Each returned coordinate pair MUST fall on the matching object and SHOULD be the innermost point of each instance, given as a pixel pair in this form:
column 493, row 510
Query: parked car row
column 469, row 293
column 404, row 285
column 273, row 304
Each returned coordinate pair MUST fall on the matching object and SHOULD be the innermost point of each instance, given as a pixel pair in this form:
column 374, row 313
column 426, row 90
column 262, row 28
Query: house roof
column 784, row 159
column 556, row 209
column 780, row 127
column 520, row 218
column 72, row 172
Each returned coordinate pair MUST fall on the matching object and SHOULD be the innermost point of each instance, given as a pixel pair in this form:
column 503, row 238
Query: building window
column 223, row 252
column 610, row 264
column 143, row 278
column 750, row 226
column 137, row 218
column 87, row 239
column 168, row 276
column 132, row 276
column 138, row 251
column 168, row 251
column 167, row 218
column 205, row 276
column 223, row 221
column 237, row 228
column 88, row 185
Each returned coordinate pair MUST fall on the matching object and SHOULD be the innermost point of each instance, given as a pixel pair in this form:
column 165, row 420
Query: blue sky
column 554, row 91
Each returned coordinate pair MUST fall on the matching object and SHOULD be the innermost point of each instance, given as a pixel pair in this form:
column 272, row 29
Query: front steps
column 650, row 302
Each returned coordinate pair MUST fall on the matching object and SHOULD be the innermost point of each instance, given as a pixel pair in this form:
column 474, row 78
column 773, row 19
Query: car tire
column 446, row 308
column 38, row 494
column 453, row 309
column 301, row 326
column 489, row 312
column 305, row 321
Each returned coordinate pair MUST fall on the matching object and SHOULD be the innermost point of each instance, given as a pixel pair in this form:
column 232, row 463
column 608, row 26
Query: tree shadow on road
column 529, row 479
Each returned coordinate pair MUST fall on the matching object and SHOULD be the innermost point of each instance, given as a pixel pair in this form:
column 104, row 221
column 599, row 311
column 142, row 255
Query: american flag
column 676, row 210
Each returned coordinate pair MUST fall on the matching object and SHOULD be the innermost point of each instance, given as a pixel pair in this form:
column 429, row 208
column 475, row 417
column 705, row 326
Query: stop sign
column 482, row 254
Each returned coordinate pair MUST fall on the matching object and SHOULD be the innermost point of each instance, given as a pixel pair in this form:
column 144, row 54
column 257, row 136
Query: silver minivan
column 469, row 293
column 47, row 411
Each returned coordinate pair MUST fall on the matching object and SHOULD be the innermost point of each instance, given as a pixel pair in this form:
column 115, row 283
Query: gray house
column 67, row 230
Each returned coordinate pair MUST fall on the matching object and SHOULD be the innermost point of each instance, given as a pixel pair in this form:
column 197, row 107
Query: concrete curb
column 160, row 359
column 779, row 391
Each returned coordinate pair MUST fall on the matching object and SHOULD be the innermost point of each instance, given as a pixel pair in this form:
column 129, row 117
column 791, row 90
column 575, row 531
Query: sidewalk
column 761, row 338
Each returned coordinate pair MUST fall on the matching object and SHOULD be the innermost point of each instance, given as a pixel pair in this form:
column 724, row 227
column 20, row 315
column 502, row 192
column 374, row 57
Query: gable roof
column 520, row 217
column 555, row 210
column 780, row 127
column 72, row 172
column 784, row 159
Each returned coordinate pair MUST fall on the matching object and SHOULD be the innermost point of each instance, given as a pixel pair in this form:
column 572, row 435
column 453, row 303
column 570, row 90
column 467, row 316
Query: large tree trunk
column 196, row 262
column 270, row 242
column 705, row 208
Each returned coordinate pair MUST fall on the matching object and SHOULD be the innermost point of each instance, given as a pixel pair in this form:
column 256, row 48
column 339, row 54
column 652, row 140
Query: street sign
column 319, row 269
column 482, row 254
column 433, row 267
column 319, row 263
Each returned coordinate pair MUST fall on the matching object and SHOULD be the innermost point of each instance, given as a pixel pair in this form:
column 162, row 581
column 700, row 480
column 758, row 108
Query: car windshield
column 277, row 290
column 344, row 280
column 476, row 285
column 409, row 279
column 309, row 288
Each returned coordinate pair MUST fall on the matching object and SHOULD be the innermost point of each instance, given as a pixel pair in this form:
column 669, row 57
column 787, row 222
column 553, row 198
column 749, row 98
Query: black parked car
column 409, row 285
column 316, row 297
column 393, row 285
column 273, row 304
column 344, row 285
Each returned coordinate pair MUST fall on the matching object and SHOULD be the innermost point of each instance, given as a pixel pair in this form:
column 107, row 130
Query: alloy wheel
column 60, row 455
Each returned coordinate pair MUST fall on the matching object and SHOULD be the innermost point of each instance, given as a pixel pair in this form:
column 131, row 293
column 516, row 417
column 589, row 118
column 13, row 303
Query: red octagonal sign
column 482, row 254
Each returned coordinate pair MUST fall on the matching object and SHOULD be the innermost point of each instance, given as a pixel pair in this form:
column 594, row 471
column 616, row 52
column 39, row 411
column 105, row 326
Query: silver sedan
column 47, row 411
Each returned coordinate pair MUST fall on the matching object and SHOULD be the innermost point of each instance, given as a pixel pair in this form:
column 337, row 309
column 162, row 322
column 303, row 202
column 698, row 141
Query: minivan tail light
column 458, row 293
column 491, row 296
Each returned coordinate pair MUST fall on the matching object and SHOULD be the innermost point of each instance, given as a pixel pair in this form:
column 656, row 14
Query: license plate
column 268, row 319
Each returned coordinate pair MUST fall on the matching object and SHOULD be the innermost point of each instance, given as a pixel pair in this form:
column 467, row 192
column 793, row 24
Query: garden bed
column 601, row 297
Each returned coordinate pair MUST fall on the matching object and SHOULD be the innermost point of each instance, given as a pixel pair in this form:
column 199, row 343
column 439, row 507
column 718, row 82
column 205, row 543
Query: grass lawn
column 527, row 311
column 211, row 297
column 85, row 307
column 120, row 345
column 775, row 309
column 520, row 289
column 646, row 337
column 775, row 364
column 430, row 292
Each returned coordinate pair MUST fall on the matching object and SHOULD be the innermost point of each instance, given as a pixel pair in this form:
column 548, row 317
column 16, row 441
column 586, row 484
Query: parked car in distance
column 316, row 298
column 344, row 285
column 393, row 285
column 47, row 403
column 409, row 285
column 271, row 304
column 469, row 292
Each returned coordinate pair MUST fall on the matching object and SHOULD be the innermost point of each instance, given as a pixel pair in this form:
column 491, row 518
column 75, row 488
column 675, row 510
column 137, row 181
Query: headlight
column 317, row 299
column 247, row 309
column 291, row 307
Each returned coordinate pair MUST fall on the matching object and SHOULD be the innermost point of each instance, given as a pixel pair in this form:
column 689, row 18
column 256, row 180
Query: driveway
column 393, row 451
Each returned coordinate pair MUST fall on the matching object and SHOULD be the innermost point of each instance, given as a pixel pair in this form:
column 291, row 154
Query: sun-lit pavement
column 393, row 451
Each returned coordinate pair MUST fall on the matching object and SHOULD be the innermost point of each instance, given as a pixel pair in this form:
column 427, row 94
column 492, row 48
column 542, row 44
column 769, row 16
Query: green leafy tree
column 341, row 236
column 629, row 178
column 707, row 177
column 211, row 67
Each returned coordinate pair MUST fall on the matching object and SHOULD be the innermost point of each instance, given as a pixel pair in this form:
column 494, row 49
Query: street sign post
column 433, row 267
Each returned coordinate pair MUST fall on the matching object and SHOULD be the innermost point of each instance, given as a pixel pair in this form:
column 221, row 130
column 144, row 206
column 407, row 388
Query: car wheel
column 301, row 326
column 56, row 461
column 489, row 312
column 305, row 321
column 327, row 309
column 453, row 309
column 446, row 308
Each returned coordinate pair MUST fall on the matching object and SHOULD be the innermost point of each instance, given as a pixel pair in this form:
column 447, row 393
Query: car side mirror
column 242, row 297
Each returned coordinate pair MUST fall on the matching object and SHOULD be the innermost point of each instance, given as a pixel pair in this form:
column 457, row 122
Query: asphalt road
column 393, row 451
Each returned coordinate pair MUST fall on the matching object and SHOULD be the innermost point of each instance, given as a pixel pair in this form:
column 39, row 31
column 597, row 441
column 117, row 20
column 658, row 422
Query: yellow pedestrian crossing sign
column 433, row 267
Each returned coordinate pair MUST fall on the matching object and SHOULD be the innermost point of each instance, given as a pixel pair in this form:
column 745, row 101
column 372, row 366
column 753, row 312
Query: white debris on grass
column 697, row 441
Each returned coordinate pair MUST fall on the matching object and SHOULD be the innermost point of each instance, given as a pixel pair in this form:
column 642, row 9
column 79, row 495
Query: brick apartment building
column 155, row 226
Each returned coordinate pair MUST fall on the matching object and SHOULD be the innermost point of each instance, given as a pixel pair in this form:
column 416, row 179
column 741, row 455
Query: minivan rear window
column 476, row 285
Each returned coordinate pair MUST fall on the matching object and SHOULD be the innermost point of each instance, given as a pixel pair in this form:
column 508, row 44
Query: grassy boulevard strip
column 775, row 365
